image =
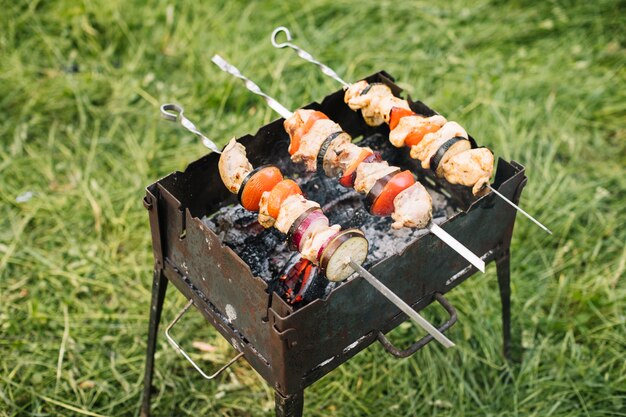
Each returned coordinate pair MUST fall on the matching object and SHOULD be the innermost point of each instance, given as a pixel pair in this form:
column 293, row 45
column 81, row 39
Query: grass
column 80, row 84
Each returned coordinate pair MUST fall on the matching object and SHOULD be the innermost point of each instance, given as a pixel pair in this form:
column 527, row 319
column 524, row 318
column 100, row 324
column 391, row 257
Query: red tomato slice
column 279, row 193
column 416, row 136
column 383, row 205
column 398, row 113
column 264, row 180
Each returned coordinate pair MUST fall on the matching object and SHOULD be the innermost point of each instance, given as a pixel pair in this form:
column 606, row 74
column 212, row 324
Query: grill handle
column 399, row 353
column 182, row 352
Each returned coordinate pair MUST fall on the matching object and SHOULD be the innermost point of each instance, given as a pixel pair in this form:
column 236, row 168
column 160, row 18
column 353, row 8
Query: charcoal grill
column 291, row 347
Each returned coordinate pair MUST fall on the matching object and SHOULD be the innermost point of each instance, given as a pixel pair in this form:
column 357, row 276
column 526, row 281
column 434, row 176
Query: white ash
column 266, row 252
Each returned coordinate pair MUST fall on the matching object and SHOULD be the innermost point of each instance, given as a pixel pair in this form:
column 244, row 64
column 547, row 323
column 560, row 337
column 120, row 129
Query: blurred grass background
column 542, row 83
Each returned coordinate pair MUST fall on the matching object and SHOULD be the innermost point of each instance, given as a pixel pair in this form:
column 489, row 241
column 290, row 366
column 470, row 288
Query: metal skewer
column 304, row 54
column 251, row 86
column 406, row 309
column 518, row 208
column 457, row 246
column 328, row 71
column 174, row 113
column 436, row 230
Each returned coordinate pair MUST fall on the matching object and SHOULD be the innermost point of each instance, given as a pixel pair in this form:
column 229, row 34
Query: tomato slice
column 383, row 205
column 398, row 113
column 347, row 179
column 416, row 136
column 279, row 193
column 294, row 145
column 261, row 181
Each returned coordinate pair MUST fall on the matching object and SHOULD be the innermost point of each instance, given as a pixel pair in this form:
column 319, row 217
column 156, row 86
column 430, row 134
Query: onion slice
column 305, row 222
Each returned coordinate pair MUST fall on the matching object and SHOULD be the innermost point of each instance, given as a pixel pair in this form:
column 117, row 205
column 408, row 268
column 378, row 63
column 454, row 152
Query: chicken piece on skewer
column 428, row 137
column 361, row 168
column 234, row 165
column 280, row 204
column 407, row 212
column 371, row 100
column 432, row 142
column 353, row 92
column 411, row 129
column 311, row 142
column 291, row 209
column 470, row 168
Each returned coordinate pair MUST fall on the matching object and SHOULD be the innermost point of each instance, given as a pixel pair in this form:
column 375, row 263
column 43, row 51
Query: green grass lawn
column 542, row 83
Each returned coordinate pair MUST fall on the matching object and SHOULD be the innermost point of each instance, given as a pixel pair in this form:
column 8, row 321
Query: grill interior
column 265, row 250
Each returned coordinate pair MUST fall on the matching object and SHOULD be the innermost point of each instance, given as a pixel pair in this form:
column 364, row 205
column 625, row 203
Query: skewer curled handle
column 182, row 352
column 174, row 113
column 304, row 54
column 400, row 353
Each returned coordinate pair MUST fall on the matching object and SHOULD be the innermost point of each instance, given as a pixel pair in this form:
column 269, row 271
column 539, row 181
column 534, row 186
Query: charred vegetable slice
column 262, row 179
column 368, row 88
column 336, row 254
column 438, row 156
column 322, row 152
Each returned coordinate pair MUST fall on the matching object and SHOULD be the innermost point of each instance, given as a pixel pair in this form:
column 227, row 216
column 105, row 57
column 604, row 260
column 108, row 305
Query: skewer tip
column 218, row 60
column 404, row 307
column 518, row 208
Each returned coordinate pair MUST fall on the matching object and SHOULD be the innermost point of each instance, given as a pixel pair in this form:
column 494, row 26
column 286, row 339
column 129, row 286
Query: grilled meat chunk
column 291, row 209
column 234, row 166
column 472, row 168
column 412, row 207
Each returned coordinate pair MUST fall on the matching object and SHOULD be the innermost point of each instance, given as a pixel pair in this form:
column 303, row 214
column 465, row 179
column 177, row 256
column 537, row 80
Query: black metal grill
column 293, row 347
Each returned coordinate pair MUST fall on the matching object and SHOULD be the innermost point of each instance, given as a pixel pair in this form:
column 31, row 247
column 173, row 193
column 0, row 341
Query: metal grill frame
column 293, row 349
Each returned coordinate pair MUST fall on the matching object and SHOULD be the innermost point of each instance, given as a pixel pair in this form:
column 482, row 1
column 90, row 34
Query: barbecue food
column 330, row 151
column 410, row 130
column 471, row 167
column 368, row 173
column 430, row 144
column 371, row 99
column 291, row 209
column 235, row 165
column 312, row 140
column 257, row 182
column 280, row 203
column 269, row 206
column 412, row 215
column 432, row 140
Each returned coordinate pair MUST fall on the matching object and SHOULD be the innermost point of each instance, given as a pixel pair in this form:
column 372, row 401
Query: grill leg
column 159, row 285
column 290, row 406
column 503, row 266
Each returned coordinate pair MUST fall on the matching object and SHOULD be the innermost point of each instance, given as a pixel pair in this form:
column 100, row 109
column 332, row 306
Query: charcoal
column 265, row 250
